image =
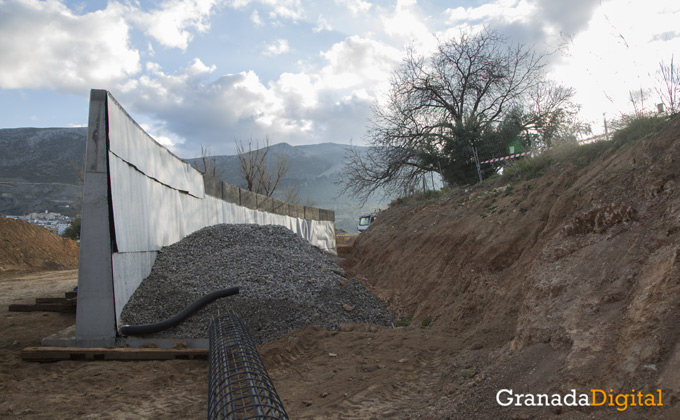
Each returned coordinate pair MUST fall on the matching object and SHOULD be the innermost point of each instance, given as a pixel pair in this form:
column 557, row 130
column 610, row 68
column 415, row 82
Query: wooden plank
column 55, row 300
column 53, row 354
column 43, row 307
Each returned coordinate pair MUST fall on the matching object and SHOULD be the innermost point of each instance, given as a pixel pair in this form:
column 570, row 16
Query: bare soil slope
column 576, row 273
column 25, row 247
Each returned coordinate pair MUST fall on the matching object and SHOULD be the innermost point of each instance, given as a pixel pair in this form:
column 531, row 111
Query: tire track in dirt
column 393, row 387
column 362, row 371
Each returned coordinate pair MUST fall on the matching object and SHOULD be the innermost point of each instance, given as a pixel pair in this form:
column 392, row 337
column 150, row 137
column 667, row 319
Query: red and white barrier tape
column 593, row 139
column 516, row 155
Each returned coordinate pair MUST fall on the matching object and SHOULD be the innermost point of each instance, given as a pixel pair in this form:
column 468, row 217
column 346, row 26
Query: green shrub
column 633, row 128
column 528, row 167
column 428, row 197
column 399, row 201
column 404, row 322
column 73, row 231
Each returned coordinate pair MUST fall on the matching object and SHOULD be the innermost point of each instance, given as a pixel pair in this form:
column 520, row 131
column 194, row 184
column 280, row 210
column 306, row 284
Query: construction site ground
column 360, row 372
column 564, row 282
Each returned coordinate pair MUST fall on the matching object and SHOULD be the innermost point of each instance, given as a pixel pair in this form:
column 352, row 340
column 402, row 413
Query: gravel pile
column 285, row 284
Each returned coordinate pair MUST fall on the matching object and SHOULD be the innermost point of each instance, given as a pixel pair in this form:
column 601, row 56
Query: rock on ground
column 285, row 283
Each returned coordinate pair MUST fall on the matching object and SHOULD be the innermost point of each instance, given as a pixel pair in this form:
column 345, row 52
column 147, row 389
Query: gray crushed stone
column 285, row 283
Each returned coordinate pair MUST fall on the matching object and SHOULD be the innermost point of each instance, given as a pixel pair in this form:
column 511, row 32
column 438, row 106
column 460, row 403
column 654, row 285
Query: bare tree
column 261, row 176
column 209, row 166
column 637, row 99
column 551, row 115
column 670, row 92
column 440, row 111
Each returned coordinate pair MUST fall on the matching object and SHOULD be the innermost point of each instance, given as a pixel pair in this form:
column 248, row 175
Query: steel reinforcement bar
column 239, row 386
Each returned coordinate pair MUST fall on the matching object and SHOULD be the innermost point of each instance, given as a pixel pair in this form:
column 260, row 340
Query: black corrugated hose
column 179, row 317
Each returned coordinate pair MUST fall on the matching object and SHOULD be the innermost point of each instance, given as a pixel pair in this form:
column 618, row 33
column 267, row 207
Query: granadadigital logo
column 595, row 398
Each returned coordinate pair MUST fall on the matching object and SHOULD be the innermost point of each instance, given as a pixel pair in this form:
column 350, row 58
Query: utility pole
column 479, row 168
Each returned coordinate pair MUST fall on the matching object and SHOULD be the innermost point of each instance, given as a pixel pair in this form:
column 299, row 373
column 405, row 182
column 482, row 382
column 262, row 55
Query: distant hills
column 39, row 171
column 315, row 171
column 41, row 155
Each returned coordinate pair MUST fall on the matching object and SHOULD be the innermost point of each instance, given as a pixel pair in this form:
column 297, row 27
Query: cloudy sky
column 212, row 72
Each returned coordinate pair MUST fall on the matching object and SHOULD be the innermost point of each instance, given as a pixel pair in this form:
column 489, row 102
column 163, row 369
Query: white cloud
column 410, row 25
column 173, row 22
column 287, row 9
column 322, row 25
column 297, row 92
column 237, row 4
column 358, row 62
column 356, row 6
column 279, row 47
column 507, row 11
column 327, row 95
column 616, row 54
column 215, row 113
column 255, row 18
column 520, row 20
column 331, row 104
column 45, row 45
column 567, row 17
column 159, row 132
column 198, row 68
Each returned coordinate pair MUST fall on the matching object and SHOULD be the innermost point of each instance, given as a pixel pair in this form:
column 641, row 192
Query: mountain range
column 39, row 170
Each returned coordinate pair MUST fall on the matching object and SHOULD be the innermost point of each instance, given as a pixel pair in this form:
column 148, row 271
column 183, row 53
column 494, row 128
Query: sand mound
column 25, row 247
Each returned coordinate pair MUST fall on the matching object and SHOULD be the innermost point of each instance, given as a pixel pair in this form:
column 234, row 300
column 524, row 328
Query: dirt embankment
column 575, row 274
column 25, row 247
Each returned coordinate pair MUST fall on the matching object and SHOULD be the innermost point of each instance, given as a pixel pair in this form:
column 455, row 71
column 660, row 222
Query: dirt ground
column 73, row 389
column 568, row 281
column 360, row 372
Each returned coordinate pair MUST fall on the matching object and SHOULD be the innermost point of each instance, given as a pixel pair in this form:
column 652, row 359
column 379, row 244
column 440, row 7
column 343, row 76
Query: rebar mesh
column 239, row 386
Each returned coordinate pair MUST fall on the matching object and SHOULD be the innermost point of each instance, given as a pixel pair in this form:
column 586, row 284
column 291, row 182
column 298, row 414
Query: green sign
column 514, row 147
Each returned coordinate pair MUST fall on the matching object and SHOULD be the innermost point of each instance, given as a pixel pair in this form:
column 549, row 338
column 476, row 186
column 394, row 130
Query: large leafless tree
column 440, row 109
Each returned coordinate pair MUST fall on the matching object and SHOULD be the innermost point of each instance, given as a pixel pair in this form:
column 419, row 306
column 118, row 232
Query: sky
column 210, row 73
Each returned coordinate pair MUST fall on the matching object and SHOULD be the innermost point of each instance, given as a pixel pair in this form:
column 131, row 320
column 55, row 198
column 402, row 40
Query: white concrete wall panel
column 157, row 199
column 145, row 212
column 131, row 143
column 129, row 269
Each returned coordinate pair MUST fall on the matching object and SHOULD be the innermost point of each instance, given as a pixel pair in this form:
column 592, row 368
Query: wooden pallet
column 55, row 354
column 67, row 304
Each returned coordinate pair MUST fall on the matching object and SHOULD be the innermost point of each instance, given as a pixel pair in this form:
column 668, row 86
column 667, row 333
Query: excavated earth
column 25, row 247
column 566, row 281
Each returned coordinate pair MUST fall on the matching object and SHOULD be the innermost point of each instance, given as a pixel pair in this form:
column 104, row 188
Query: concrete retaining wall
column 139, row 197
